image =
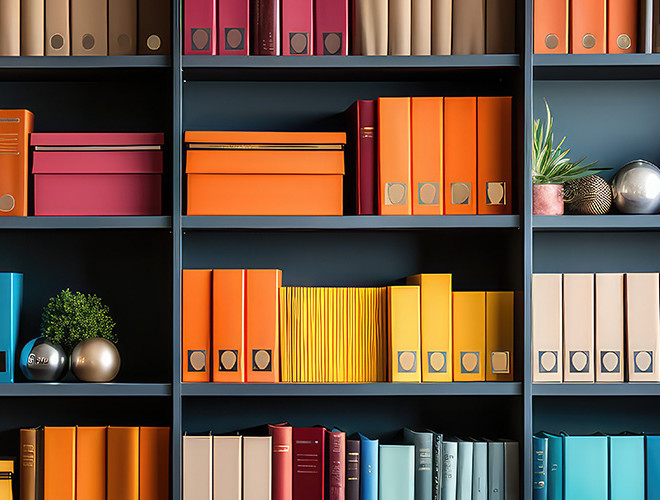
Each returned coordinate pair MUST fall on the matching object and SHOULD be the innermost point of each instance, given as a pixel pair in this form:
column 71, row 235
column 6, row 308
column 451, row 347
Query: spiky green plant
column 551, row 165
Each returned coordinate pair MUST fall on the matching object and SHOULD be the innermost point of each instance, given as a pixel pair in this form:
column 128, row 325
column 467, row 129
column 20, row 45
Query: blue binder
column 585, row 468
column 555, row 468
column 540, row 468
column 368, row 468
column 626, row 467
column 11, row 297
column 653, row 467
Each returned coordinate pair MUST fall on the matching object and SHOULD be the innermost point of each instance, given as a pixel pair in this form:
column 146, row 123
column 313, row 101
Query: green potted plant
column 551, row 168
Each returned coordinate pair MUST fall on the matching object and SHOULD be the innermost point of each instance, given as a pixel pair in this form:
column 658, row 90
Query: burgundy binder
column 308, row 462
column 266, row 39
column 233, row 27
column 331, row 28
column 364, row 134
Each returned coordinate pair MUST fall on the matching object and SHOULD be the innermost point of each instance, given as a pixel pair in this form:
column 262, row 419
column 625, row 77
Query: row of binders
column 602, row 327
column 431, row 156
column 84, row 27
column 313, row 463
column 95, row 463
column 616, row 467
column 242, row 326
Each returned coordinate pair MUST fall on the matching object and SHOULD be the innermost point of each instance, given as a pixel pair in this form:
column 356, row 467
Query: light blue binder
column 626, row 467
column 368, row 468
column 11, row 297
column 396, row 474
column 585, row 468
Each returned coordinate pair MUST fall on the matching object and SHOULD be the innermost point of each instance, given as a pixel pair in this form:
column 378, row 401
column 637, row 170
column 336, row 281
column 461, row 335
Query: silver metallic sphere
column 43, row 361
column 636, row 188
column 95, row 360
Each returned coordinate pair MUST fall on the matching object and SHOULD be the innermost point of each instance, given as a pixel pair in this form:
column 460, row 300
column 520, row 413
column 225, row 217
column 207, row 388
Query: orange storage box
column 265, row 173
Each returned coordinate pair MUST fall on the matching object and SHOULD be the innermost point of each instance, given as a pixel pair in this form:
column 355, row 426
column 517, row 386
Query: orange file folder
column 228, row 325
column 427, row 140
column 588, row 26
column 404, row 333
column 494, row 155
column 499, row 336
column 394, row 197
column 196, row 334
column 262, row 324
column 550, row 26
column 622, row 22
column 123, row 472
column 15, row 127
column 460, row 131
column 469, row 336
column 154, row 463
column 90, row 463
column 59, row 463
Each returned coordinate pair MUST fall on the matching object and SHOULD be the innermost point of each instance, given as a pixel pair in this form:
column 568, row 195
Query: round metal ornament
column 589, row 195
column 95, row 360
column 43, row 361
column 636, row 188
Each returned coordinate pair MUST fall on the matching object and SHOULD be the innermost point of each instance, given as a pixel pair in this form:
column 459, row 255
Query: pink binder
column 331, row 28
column 297, row 28
column 233, row 27
column 199, row 35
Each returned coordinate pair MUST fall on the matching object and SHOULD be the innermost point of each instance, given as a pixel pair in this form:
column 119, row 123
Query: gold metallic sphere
column 95, row 360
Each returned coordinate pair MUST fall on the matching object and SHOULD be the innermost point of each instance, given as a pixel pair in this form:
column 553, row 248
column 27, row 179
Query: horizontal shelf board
column 84, row 389
column 596, row 66
column 596, row 222
column 373, row 389
column 621, row 389
column 83, row 62
column 356, row 222
column 82, row 222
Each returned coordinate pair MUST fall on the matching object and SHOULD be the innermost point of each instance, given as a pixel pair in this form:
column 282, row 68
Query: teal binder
column 396, row 472
column 555, row 467
column 626, row 467
column 585, row 468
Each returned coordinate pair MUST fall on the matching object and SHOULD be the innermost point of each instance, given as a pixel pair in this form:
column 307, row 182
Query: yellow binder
column 469, row 336
column 499, row 336
column 404, row 337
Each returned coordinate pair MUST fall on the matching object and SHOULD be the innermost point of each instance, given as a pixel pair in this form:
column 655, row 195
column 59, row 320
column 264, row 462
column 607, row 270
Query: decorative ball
column 95, row 360
column 636, row 188
column 43, row 361
column 589, row 195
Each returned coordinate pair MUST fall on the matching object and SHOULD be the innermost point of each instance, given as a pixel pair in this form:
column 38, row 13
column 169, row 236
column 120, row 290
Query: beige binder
column 500, row 26
column 578, row 328
column 197, row 460
column 547, row 328
column 10, row 27
column 421, row 28
column 468, row 27
column 609, row 357
column 441, row 27
column 57, row 28
column 89, row 27
column 400, row 24
column 643, row 318
column 227, row 467
column 32, row 27
column 371, row 26
column 122, row 27
column 257, row 468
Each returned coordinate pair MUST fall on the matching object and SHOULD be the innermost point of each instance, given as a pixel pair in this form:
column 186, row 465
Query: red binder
column 308, row 462
column 331, row 27
column 282, row 461
column 200, row 27
column 362, row 116
column 297, row 28
column 337, row 465
column 233, row 27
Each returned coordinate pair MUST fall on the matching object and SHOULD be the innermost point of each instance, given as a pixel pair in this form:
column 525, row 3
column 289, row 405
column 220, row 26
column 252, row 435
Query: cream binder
column 257, row 468
column 227, row 467
column 197, row 460
column 643, row 318
column 547, row 328
column 609, row 356
column 578, row 327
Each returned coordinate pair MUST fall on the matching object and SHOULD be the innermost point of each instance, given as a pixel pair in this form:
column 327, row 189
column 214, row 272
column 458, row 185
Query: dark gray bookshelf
column 127, row 222
column 596, row 66
column 603, row 389
column 73, row 389
column 596, row 223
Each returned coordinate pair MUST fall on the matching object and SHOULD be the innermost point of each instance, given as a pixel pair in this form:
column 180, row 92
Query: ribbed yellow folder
column 499, row 336
column 469, row 336
column 435, row 306
column 404, row 334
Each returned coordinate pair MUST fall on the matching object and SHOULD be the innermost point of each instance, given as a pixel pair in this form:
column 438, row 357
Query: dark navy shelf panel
column 127, row 222
column 596, row 222
column 596, row 66
column 622, row 389
column 88, row 63
column 84, row 389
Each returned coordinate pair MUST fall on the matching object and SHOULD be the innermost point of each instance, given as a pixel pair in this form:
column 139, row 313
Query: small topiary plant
column 70, row 318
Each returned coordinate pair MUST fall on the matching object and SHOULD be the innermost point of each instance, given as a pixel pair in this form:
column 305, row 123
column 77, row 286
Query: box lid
column 97, row 162
column 265, row 137
column 97, row 139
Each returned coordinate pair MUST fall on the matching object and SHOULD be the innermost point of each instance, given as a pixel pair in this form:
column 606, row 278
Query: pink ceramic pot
column 548, row 199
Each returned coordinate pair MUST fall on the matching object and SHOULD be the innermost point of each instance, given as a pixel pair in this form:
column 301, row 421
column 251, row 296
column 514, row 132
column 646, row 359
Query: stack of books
column 84, row 27
column 314, row 463
column 578, row 326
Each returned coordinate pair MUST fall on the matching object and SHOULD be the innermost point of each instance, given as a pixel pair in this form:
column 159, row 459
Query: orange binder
column 403, row 321
column 59, row 463
column 426, row 127
column 123, row 473
column 262, row 289
column 394, row 156
column 228, row 325
column 588, row 26
column 499, row 336
column 460, row 136
column 622, row 22
column 154, row 463
column 494, row 155
column 15, row 127
column 196, row 333
column 90, row 463
column 550, row 26
column 469, row 336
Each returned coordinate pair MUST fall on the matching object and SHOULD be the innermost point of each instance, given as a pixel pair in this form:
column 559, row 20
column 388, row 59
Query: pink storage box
column 97, row 174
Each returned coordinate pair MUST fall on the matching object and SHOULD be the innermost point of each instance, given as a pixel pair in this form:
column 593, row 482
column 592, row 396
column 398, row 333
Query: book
column 499, row 336
column 622, row 22
column 500, row 26
column 436, row 467
column 551, row 26
column 233, row 27
column 404, row 333
column 197, row 467
column 228, row 327
column 227, row 467
column 122, row 27
column 262, row 290
column 123, row 466
column 578, row 327
column 494, row 168
column 643, row 326
column 480, row 471
column 585, row 467
column 449, row 470
column 371, row 28
column 89, row 27
column 652, row 464
column 363, row 134
column 464, row 470
column 331, row 28
column 547, row 331
column 469, row 336
column 588, row 27
column 196, row 331
column 265, row 28
column 423, row 443
column 511, row 470
column 336, row 482
column 421, row 28
column 32, row 27
column 394, row 156
column 368, row 468
column 399, row 19
column 609, row 354
column 460, row 145
column 308, row 462
column 199, row 29
column 282, row 461
column 427, row 155
column 91, row 462
column 554, row 465
column 297, row 28
column 10, row 27
column 60, row 463
column 495, row 470
column 396, row 479
column 540, row 468
column 352, row 469
column 441, row 31
column 257, row 467
column 153, row 28
column 16, row 125
column 11, row 299
column 468, row 27
column 28, row 464
column 436, row 325
column 626, row 467
column 154, row 463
